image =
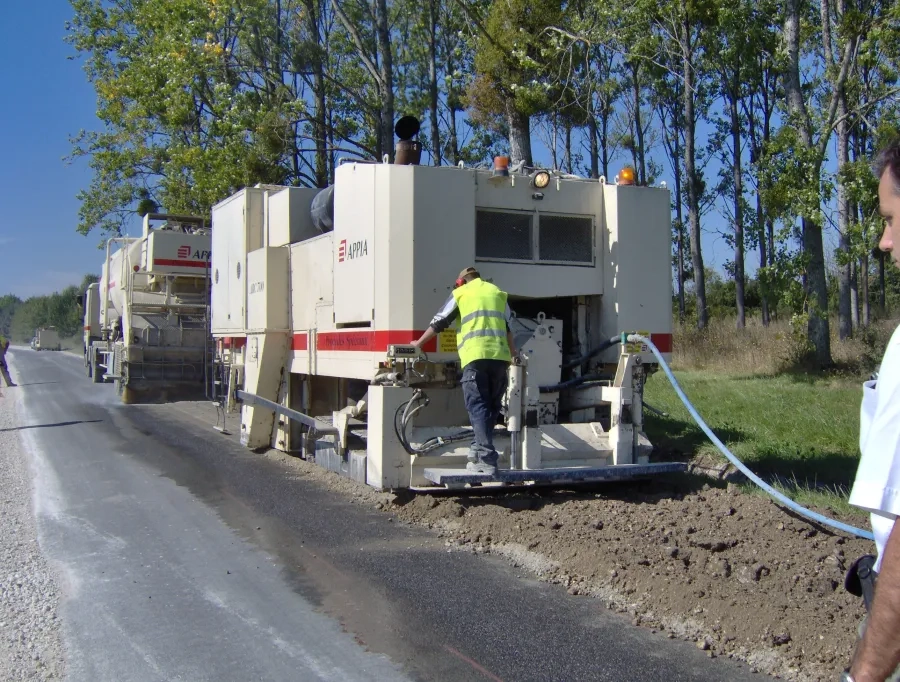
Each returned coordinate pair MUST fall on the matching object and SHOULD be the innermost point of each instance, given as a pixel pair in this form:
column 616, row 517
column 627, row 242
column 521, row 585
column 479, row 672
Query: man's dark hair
column 889, row 159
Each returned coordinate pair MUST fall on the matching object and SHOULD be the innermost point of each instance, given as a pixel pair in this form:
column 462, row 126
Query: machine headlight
column 540, row 179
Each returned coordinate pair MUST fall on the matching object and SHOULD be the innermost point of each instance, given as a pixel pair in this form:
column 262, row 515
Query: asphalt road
column 185, row 557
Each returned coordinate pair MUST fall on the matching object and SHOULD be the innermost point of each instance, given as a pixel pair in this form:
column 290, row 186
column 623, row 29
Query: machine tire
column 87, row 366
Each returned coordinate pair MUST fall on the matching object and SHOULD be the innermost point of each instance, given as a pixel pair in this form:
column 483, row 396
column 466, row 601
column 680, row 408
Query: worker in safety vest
column 486, row 347
column 877, row 485
column 4, row 370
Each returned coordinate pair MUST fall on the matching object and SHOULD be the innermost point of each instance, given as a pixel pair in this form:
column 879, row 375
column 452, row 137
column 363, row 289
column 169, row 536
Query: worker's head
column 887, row 167
column 467, row 276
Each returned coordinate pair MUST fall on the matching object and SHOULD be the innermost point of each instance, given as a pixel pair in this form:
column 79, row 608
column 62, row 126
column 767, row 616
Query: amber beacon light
column 625, row 176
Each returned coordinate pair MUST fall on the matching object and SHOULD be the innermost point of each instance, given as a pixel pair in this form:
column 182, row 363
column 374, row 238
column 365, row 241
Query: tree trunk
column 569, row 166
column 737, row 179
column 817, row 327
column 817, row 289
column 866, row 302
column 386, row 70
column 679, row 220
column 881, row 282
column 453, row 107
column 638, row 125
column 320, row 117
column 845, row 322
column 854, row 294
column 519, row 135
column 433, row 84
column 604, row 141
column 454, row 139
column 595, row 152
column 763, row 255
column 690, row 170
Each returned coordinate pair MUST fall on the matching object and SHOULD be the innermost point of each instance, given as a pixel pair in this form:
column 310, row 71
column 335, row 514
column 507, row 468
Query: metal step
column 608, row 473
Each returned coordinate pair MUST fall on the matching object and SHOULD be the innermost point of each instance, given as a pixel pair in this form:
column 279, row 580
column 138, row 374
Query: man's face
column 889, row 207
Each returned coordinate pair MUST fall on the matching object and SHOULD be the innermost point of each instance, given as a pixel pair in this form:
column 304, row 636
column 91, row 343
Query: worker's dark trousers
column 484, row 383
column 4, row 371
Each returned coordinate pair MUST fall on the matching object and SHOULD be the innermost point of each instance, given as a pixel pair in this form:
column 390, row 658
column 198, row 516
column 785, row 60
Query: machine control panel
column 404, row 351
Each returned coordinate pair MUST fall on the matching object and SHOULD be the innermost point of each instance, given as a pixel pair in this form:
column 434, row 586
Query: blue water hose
column 786, row 501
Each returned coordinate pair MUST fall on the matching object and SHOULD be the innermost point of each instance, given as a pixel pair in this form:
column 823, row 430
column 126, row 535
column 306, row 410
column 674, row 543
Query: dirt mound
column 731, row 571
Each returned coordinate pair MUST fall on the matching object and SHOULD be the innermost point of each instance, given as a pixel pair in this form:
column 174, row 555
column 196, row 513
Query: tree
column 191, row 100
column 510, row 66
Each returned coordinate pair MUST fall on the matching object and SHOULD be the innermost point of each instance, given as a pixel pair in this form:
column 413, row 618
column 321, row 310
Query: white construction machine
column 47, row 338
column 152, row 313
column 318, row 296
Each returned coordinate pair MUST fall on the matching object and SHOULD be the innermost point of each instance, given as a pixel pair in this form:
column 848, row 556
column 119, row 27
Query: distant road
column 187, row 557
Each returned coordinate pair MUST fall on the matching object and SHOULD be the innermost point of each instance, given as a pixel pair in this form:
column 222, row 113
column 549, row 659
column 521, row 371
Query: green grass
column 799, row 431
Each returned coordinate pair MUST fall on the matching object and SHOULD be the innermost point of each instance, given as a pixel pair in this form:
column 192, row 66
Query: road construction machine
column 318, row 296
column 146, row 323
column 46, row 338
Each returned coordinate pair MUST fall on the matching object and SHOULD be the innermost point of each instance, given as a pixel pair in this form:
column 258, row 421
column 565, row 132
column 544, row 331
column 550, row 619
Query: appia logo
column 352, row 250
column 185, row 251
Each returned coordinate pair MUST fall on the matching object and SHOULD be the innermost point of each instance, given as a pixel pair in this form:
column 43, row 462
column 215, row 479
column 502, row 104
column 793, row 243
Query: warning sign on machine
column 447, row 341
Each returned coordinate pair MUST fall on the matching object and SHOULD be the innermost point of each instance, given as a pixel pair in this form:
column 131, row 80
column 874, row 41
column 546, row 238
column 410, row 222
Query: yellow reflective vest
column 482, row 319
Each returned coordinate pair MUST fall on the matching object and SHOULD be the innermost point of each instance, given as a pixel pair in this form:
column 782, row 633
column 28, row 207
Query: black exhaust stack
column 408, row 152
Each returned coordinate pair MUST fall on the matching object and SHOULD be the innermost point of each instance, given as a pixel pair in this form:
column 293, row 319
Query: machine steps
column 457, row 477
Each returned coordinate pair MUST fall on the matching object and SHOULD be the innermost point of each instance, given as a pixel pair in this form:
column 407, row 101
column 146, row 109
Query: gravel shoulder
column 30, row 643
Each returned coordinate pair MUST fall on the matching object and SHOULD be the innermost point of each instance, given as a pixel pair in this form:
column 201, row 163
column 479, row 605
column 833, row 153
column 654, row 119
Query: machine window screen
column 566, row 239
column 503, row 235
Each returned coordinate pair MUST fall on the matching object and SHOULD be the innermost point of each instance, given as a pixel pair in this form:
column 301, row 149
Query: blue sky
column 47, row 99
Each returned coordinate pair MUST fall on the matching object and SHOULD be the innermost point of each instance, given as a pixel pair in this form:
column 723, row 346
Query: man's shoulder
column 889, row 370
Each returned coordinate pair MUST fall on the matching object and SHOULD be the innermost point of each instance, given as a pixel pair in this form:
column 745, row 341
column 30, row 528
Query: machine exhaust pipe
column 407, row 152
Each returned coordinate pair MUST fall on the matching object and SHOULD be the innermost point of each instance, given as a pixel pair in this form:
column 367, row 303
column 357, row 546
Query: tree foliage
column 58, row 310
column 760, row 115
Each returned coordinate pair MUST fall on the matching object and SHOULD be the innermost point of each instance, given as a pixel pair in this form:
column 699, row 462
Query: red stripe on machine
column 663, row 342
column 300, row 342
column 368, row 341
column 178, row 263
column 234, row 342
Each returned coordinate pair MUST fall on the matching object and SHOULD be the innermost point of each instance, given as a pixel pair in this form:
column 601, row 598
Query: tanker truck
column 318, row 296
column 153, row 339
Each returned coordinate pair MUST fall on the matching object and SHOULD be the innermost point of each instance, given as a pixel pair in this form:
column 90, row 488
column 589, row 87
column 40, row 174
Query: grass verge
column 799, row 432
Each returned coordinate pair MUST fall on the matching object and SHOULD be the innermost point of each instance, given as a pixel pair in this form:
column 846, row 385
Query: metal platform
column 456, row 477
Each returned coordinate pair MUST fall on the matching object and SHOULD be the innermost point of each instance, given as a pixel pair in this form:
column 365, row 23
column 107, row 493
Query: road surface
column 183, row 556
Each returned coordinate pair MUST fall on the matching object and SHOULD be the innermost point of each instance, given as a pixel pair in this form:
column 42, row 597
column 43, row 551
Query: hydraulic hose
column 786, row 501
column 609, row 343
column 577, row 381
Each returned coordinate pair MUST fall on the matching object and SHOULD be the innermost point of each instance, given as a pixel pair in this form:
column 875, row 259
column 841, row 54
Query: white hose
column 786, row 501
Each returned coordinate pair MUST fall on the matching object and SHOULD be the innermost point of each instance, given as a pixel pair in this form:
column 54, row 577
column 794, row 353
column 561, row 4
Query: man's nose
column 886, row 243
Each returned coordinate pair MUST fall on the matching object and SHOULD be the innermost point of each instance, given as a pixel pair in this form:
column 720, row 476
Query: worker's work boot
column 482, row 460
column 481, row 468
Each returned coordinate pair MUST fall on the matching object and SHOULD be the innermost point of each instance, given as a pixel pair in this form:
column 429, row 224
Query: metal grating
column 503, row 234
column 567, row 239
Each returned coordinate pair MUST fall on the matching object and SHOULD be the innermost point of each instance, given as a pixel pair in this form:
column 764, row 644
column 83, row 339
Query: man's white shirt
column 877, row 485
